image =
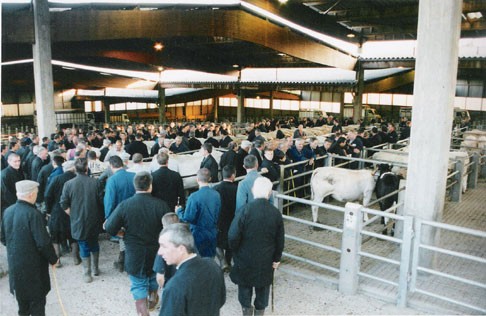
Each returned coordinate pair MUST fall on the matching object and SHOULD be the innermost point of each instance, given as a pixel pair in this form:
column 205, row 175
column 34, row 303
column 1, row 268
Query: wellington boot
column 75, row 253
column 153, row 299
column 141, row 306
column 247, row 311
column 259, row 312
column 57, row 250
column 96, row 258
column 121, row 262
column 221, row 258
column 87, row 270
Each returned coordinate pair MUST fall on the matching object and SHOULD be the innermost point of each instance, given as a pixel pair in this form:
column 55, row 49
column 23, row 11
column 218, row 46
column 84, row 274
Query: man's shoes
column 153, row 299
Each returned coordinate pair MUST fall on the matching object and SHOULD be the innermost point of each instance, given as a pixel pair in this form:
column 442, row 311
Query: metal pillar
column 241, row 107
column 271, row 103
column 161, row 101
column 44, row 89
column 434, row 90
column 358, row 96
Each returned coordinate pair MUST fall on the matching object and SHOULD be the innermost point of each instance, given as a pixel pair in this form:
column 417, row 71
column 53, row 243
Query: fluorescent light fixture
column 103, row 73
column 282, row 54
column 136, row 2
column 158, row 46
column 337, row 43
column 68, row 68
column 17, row 62
column 351, row 35
column 236, row 66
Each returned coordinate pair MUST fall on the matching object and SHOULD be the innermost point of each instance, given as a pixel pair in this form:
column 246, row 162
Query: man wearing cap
column 10, row 175
column 29, row 250
column 81, row 199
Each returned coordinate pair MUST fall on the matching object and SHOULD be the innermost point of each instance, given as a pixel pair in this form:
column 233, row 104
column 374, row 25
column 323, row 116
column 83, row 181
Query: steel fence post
column 400, row 209
column 472, row 179
column 405, row 260
column 456, row 189
column 351, row 243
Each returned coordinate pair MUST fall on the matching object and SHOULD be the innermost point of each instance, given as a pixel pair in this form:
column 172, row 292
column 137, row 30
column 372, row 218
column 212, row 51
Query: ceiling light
column 351, row 35
column 236, row 66
column 283, row 1
column 281, row 54
column 158, row 46
column 160, row 68
column 68, row 68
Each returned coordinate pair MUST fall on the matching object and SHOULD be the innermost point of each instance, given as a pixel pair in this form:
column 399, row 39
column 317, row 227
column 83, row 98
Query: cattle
column 343, row 185
column 386, row 183
column 186, row 165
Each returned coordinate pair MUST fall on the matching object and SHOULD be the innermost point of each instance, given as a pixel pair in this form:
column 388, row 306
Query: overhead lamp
column 351, row 35
column 236, row 66
column 68, row 68
column 160, row 68
column 283, row 1
column 158, row 46
column 282, row 54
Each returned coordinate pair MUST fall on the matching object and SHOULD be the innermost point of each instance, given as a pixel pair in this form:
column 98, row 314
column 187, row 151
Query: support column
column 161, row 101
column 358, row 96
column 434, row 89
column 44, row 90
column 216, row 105
column 341, row 107
column 271, row 103
column 106, row 109
column 241, row 107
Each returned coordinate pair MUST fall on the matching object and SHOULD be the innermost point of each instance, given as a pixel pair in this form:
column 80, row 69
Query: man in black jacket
column 10, row 175
column 81, row 200
column 227, row 191
column 141, row 215
column 29, row 250
column 209, row 162
column 197, row 288
column 257, row 249
column 137, row 146
column 240, row 157
column 167, row 184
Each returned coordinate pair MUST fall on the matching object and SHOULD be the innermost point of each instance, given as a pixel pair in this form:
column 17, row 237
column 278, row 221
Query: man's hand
column 264, row 170
column 275, row 265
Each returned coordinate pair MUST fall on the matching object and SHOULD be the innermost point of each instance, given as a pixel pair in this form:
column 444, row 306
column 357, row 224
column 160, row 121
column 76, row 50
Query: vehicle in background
column 312, row 114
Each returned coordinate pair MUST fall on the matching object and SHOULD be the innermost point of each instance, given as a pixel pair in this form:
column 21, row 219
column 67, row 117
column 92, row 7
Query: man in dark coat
column 256, row 237
column 141, row 216
column 38, row 162
column 81, row 199
column 10, row 176
column 212, row 140
column 225, row 139
column 178, row 146
column 29, row 250
column 4, row 160
column 229, row 157
column 198, row 286
column 273, row 170
column 240, row 157
column 59, row 225
column 167, row 184
column 202, row 212
column 137, row 146
column 209, row 162
column 193, row 143
column 227, row 191
column 257, row 151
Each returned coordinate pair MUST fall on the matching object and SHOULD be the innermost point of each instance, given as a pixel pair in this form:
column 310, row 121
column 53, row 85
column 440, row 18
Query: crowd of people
column 79, row 184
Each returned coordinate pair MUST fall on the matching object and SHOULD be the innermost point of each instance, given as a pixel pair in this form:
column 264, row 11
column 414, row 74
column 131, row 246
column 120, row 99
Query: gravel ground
column 109, row 293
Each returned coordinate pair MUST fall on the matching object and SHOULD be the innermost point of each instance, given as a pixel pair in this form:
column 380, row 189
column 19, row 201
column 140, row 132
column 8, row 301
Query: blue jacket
column 202, row 212
column 244, row 194
column 57, row 171
column 119, row 187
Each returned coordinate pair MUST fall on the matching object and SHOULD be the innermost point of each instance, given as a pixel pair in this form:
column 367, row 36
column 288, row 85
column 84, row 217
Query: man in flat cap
column 29, row 250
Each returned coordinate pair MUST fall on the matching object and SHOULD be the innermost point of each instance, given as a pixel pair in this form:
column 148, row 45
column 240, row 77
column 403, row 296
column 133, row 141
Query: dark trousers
column 32, row 307
column 261, row 296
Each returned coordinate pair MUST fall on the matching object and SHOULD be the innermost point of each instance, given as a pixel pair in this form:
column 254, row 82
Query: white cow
column 186, row 165
column 343, row 184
